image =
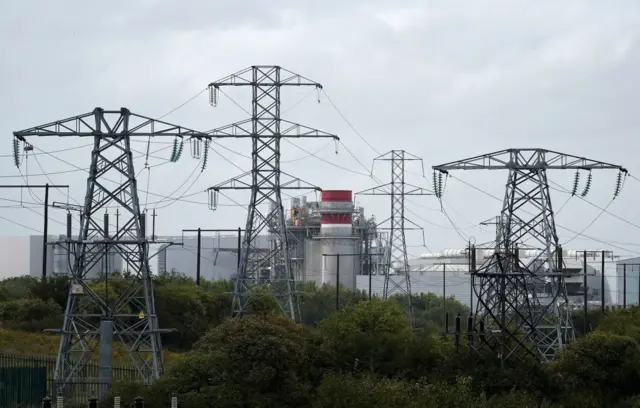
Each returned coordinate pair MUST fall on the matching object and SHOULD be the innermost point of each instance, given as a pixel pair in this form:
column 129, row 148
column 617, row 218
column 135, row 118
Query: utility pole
column 397, row 190
column 199, row 231
column 504, row 282
column 153, row 228
column 45, row 234
column 111, row 159
column 337, row 256
column 266, row 129
column 602, row 283
column 585, row 297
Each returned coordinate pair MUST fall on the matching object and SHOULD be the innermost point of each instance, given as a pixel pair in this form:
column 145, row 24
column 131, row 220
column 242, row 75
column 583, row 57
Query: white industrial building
column 628, row 270
column 322, row 230
column 22, row 255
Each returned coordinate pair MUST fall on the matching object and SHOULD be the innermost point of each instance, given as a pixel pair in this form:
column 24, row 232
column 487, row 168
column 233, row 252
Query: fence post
column 93, row 402
column 116, row 402
column 60, row 401
column 138, row 402
column 46, row 402
column 174, row 401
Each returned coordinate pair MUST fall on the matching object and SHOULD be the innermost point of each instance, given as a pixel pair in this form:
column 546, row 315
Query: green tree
column 30, row 314
column 255, row 361
column 373, row 336
column 347, row 391
column 316, row 303
column 54, row 288
column 16, row 288
column 604, row 366
column 623, row 322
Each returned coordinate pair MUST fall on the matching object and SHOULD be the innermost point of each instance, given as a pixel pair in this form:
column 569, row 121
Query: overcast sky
column 444, row 80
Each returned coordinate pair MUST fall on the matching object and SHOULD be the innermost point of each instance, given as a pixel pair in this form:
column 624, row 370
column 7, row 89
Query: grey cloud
column 463, row 78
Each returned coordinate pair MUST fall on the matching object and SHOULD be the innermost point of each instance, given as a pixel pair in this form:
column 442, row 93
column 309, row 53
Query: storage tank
column 336, row 238
column 62, row 260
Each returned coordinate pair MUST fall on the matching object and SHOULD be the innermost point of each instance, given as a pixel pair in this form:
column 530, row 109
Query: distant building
column 22, row 255
column 628, row 270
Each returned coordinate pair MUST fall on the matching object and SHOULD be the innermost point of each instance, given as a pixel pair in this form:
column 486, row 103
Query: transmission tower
column 261, row 272
column 397, row 189
column 94, row 316
column 523, row 306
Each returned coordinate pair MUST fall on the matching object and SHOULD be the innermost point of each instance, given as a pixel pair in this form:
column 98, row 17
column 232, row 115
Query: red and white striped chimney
column 336, row 208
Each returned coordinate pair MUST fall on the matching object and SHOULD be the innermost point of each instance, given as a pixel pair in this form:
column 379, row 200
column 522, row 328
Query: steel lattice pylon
column 397, row 189
column 93, row 318
column 523, row 307
column 265, row 272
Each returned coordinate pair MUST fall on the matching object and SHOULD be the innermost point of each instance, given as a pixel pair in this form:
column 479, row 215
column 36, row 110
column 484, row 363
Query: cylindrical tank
column 303, row 201
column 336, row 209
column 349, row 251
column 62, row 260
column 295, row 202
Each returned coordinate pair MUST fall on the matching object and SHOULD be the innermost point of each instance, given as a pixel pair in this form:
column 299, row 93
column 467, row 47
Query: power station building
column 333, row 240
column 318, row 232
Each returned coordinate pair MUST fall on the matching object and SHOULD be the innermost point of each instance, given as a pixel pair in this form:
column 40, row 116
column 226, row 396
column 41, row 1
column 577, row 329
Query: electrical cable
column 26, row 180
column 564, row 190
column 557, row 225
column 328, row 162
column 591, row 223
column 349, row 123
column 55, row 151
column 174, row 200
column 464, row 238
column 20, row 225
column 184, row 103
column 112, row 181
column 304, row 98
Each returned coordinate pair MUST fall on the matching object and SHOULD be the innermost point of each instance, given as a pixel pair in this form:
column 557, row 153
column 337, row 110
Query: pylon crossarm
column 383, row 189
column 526, row 159
column 100, row 122
column 264, row 75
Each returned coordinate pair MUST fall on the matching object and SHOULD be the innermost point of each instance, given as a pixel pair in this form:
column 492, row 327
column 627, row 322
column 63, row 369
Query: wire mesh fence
column 26, row 380
column 596, row 282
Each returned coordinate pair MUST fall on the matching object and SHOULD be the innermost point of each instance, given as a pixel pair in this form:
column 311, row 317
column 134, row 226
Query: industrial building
column 451, row 267
column 318, row 232
column 22, row 255
column 628, row 281
column 332, row 239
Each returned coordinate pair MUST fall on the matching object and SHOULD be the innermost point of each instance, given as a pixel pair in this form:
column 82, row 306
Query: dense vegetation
column 363, row 355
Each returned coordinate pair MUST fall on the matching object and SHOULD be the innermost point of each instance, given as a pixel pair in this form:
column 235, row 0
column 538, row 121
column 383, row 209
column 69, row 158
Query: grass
column 43, row 344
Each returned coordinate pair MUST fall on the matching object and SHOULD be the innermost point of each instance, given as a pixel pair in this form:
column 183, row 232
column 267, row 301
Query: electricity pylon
column 524, row 307
column 397, row 190
column 261, row 271
column 98, row 315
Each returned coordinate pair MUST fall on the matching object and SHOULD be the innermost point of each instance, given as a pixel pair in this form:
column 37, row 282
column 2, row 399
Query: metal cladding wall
column 629, row 269
column 324, row 269
column 456, row 284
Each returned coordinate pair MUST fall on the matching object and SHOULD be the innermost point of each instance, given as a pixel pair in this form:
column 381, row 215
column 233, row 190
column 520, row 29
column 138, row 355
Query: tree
column 316, row 303
column 255, row 361
column 348, row 391
column 373, row 336
column 30, row 314
column 603, row 366
column 623, row 322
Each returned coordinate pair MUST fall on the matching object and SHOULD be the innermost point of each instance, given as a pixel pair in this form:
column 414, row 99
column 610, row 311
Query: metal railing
column 26, row 380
